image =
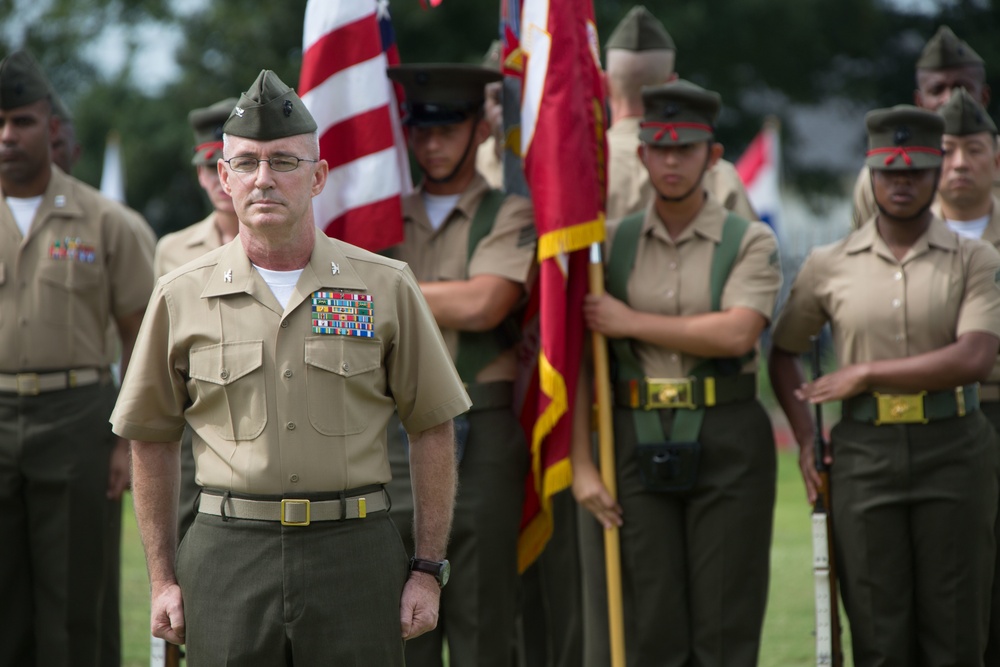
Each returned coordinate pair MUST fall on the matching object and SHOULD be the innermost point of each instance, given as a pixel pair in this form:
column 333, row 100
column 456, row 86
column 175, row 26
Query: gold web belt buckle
column 669, row 393
column 294, row 512
column 900, row 408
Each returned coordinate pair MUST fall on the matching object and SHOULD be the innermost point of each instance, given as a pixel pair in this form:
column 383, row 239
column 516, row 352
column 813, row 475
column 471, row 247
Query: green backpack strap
column 477, row 349
column 687, row 423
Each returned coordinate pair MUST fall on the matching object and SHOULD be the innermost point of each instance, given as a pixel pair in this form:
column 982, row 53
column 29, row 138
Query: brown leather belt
column 33, row 384
column 292, row 511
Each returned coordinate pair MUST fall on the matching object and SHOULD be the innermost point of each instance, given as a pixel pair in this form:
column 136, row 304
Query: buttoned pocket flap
column 225, row 363
column 343, row 356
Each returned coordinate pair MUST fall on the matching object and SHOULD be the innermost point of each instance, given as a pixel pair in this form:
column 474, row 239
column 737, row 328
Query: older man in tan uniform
column 178, row 248
column 472, row 249
column 72, row 266
column 640, row 53
column 946, row 63
column 967, row 205
column 915, row 313
column 695, row 466
column 287, row 352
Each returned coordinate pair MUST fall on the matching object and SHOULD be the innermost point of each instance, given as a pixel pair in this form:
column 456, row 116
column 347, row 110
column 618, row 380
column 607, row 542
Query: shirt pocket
column 230, row 381
column 68, row 289
column 341, row 377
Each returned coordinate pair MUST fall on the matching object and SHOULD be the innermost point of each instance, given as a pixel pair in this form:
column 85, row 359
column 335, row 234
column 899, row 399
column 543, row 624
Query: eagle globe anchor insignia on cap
column 904, row 137
column 269, row 110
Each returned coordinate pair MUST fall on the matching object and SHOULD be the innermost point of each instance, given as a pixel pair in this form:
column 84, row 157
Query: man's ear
column 715, row 153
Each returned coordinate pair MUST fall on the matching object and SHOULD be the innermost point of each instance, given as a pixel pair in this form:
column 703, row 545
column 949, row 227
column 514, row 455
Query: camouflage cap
column 442, row 94
column 640, row 31
column 963, row 115
column 269, row 110
column 904, row 137
column 22, row 81
column 678, row 113
column 207, row 125
column 946, row 50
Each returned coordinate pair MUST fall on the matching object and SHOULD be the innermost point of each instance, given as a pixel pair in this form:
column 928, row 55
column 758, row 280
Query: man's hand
column 167, row 613
column 118, row 472
column 418, row 609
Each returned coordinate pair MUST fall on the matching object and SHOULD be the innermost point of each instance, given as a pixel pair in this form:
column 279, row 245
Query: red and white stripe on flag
column 759, row 168
column 347, row 45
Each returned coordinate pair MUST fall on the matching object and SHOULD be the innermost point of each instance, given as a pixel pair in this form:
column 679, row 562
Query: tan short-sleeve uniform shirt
column 178, row 248
column 275, row 405
column 883, row 308
column 82, row 264
column 672, row 277
column 629, row 190
column 507, row 251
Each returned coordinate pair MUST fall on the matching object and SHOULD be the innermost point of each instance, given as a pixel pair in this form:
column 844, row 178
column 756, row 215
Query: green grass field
column 788, row 639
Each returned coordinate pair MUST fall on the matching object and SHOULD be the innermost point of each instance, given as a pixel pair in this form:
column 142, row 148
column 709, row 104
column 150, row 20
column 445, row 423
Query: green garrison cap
column 678, row 113
column 640, row 31
column 207, row 124
column 945, row 50
column 269, row 110
column 963, row 115
column 22, row 81
column 442, row 94
column 904, row 137
column 60, row 109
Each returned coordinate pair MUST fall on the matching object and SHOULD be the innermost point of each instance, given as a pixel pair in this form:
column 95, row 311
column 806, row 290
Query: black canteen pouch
column 461, row 425
column 668, row 467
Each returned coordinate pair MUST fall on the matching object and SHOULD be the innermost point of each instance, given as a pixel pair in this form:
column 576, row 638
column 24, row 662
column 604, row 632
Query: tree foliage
column 764, row 57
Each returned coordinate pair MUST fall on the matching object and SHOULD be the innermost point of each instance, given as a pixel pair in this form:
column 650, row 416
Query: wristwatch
column 441, row 569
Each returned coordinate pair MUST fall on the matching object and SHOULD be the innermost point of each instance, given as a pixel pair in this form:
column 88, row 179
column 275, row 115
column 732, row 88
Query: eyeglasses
column 246, row 164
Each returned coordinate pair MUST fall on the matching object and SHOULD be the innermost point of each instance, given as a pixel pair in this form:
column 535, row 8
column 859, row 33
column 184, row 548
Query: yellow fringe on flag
column 568, row 239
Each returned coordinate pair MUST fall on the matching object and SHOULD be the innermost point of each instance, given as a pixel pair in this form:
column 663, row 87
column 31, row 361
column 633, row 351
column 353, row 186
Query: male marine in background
column 640, row 52
column 286, row 352
column 178, row 248
column 967, row 204
column 946, row 63
column 473, row 251
column 73, row 266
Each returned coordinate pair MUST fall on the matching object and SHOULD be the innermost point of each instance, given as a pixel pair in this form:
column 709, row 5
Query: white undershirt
column 970, row 229
column 282, row 283
column 24, row 210
column 438, row 207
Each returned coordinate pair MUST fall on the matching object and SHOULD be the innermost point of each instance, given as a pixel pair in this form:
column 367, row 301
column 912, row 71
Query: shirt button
column 224, row 374
column 670, row 293
column 346, row 367
column 290, row 426
column 672, row 265
column 899, row 337
column 293, row 478
column 896, row 303
column 288, row 372
column 898, row 275
column 674, row 357
column 284, row 324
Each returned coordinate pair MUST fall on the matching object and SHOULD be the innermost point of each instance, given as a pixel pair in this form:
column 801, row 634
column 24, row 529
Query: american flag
column 347, row 45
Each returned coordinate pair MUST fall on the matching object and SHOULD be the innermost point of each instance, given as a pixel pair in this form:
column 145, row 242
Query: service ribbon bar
column 343, row 314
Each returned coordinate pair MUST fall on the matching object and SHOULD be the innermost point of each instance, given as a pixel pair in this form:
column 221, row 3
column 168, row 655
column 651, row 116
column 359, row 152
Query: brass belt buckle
column 28, row 384
column 297, row 506
column 669, row 393
column 900, row 408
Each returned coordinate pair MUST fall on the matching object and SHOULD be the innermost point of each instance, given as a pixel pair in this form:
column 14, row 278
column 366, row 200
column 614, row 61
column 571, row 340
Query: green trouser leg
column 478, row 605
column 695, row 565
column 914, row 513
column 111, row 621
column 992, row 655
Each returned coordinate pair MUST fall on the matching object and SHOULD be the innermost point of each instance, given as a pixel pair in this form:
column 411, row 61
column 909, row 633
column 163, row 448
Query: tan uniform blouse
column 882, row 308
column 672, row 277
column 276, row 405
column 178, row 248
column 629, row 190
column 83, row 264
column 507, row 251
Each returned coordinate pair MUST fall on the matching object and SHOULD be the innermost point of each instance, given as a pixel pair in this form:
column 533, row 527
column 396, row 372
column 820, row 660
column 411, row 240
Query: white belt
column 292, row 511
column 33, row 384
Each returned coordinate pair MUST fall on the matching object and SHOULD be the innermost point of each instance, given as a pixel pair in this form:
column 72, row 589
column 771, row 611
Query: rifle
column 829, row 651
